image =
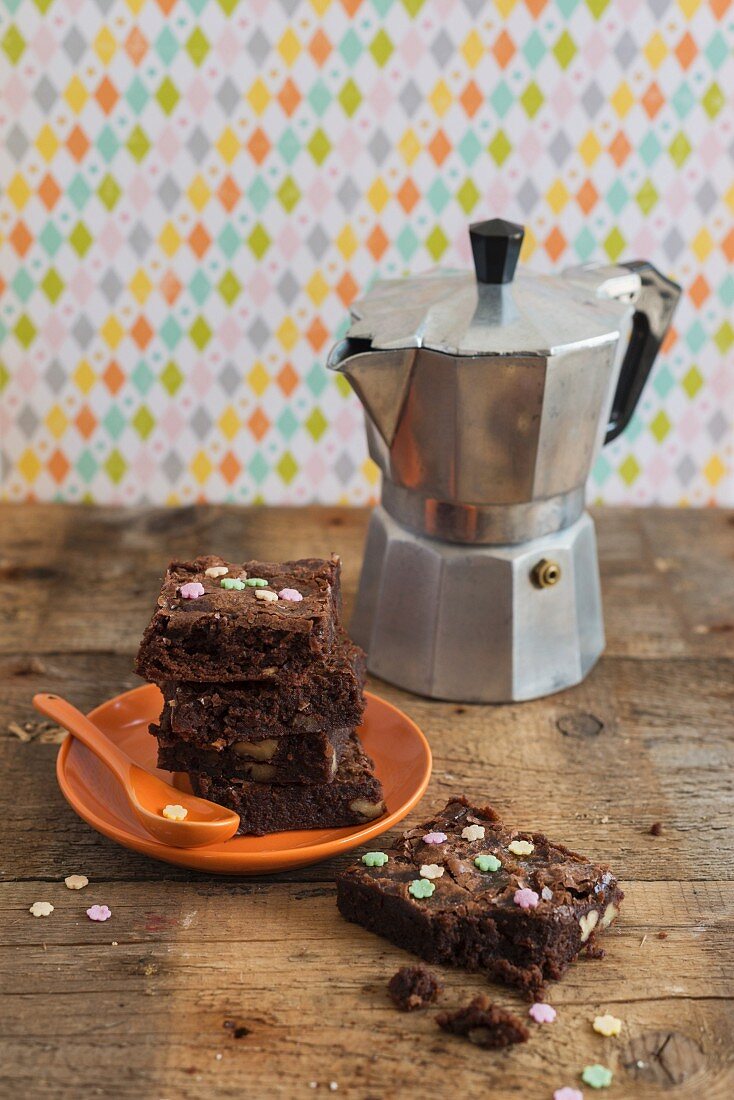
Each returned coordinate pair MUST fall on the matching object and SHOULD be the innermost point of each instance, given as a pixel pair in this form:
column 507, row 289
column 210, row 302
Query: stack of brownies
column 262, row 692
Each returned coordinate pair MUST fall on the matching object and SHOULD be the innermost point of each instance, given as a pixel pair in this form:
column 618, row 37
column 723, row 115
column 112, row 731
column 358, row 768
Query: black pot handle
column 654, row 308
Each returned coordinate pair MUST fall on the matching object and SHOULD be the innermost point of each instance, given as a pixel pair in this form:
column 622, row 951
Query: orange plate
column 399, row 749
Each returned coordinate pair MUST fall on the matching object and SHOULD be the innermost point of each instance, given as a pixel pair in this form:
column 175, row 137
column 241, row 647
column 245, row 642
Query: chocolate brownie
column 413, row 987
column 467, row 890
column 323, row 698
column 352, row 798
column 484, row 1024
column 205, row 629
column 290, row 758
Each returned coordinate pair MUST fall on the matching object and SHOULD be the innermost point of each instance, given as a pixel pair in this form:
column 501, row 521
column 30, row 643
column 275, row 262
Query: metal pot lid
column 489, row 312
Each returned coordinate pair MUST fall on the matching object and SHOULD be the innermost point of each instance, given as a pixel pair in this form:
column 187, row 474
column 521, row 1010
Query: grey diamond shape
column 172, row 467
column 673, row 244
column 258, row 47
column 348, row 194
column 289, row 5
column 527, row 196
column 344, row 467
column 317, row 242
column 718, row 426
column 442, row 48
column 198, row 144
column 230, row 378
column 74, row 46
column 201, row 423
column 379, row 147
column 228, row 96
column 104, row 5
column 111, row 285
column 592, row 99
column 139, row 239
column 475, row 7
column 626, row 50
column 706, row 197
column 83, row 331
column 258, row 333
column 559, row 148
column 659, row 7
column 410, row 98
column 288, row 288
column 4, row 467
column 17, row 143
column 27, row 421
column 55, row 376
column 45, row 94
column 169, row 193
column 686, row 469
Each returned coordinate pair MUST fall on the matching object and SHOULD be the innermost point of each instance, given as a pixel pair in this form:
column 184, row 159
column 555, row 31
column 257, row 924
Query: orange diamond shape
column 439, row 147
column 317, row 334
column 170, row 287
column 504, row 49
column 77, row 143
column 58, row 466
column 85, row 421
column 258, row 146
column 377, row 243
column 620, row 148
column 166, row 5
column 686, row 50
column 652, row 100
column 347, row 289
column 113, row 377
column 319, row 47
column 699, row 290
column 351, row 6
column 230, row 468
column 141, row 333
column 587, row 196
column 258, row 424
column 229, row 193
column 49, row 191
column 535, row 7
column 287, row 379
column 555, row 243
column 471, row 99
column 669, row 340
column 106, row 95
column 727, row 246
column 289, row 97
column 408, row 195
column 136, row 46
column 199, row 240
column 20, row 238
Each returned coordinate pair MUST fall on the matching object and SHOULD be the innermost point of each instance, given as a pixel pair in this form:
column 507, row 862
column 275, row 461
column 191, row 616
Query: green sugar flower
column 487, row 863
column 421, row 888
column 232, row 582
column 374, row 859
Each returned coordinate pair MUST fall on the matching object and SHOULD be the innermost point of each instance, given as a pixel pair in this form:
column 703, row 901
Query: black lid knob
column 496, row 246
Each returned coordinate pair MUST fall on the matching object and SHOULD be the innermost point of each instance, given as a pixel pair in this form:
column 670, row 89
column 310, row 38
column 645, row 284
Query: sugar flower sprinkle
column 431, row 870
column 607, row 1025
column 473, row 832
column 526, row 898
column 191, row 591
column 375, row 859
column 520, row 847
column 421, row 888
column 599, row 1077
column 233, row 582
column 435, row 838
column 291, row 594
column 256, row 582
column 41, row 909
column 542, row 1013
column 266, row 594
column 216, row 571
column 76, row 882
column 99, row 912
column 487, row 862
column 174, row 812
column 567, row 1093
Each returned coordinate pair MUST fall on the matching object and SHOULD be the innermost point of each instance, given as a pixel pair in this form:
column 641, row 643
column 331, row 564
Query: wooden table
column 218, row 987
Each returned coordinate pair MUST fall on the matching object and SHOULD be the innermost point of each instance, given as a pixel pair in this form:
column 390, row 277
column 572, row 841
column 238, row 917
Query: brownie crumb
column 413, row 987
column 484, row 1024
column 593, row 951
column 656, row 828
column 662, row 935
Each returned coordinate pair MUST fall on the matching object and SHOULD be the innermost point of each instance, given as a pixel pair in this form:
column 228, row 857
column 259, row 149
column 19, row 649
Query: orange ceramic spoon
column 205, row 822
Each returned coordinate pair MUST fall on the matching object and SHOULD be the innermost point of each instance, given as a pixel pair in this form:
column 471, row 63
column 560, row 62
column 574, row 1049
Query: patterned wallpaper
column 195, row 190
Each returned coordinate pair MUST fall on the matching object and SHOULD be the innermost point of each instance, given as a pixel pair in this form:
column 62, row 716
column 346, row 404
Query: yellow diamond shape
column 287, row 334
column 623, row 99
column 346, row 242
column 169, row 239
column 258, row 97
column 656, row 50
column 689, row 7
column 18, row 191
column 201, row 467
column 289, row 47
column 84, row 377
column 440, row 98
column 702, row 244
column 320, row 6
column 378, row 195
column 57, row 421
column 228, row 145
column 198, row 193
column 409, row 146
column 529, row 244
column 729, row 197
column 112, row 331
column 590, row 148
column 46, row 142
column 29, row 465
column 505, row 6
column 317, row 288
column 714, row 470
column 370, row 471
column 472, row 49
column 140, row 285
column 76, row 95
column 229, row 423
column 557, row 196
column 105, row 45
column 258, row 379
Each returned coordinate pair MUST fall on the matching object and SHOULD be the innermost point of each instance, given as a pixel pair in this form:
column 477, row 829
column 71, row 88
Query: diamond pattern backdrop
column 195, row 190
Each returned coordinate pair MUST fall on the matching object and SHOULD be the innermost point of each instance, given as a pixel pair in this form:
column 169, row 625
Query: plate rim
column 241, row 863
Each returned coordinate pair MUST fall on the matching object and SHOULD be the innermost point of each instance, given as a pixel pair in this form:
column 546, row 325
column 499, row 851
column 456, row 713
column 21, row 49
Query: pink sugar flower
column 525, row 898
column 542, row 1013
column 191, row 591
column 567, row 1093
column 435, row 838
column 291, row 594
column 99, row 912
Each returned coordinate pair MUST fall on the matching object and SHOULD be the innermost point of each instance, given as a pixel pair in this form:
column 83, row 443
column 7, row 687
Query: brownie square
column 352, row 798
column 323, row 698
column 241, row 633
column 522, row 922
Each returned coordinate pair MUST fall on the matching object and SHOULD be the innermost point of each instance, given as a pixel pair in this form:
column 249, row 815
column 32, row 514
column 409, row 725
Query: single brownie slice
column 205, row 629
column 322, row 698
column 467, row 890
column 353, row 797
column 288, row 758
column 413, row 987
column 484, row 1024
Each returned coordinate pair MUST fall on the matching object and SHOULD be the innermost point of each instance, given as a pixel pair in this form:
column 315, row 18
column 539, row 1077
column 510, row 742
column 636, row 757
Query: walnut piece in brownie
column 413, row 987
column 466, row 890
column 484, row 1024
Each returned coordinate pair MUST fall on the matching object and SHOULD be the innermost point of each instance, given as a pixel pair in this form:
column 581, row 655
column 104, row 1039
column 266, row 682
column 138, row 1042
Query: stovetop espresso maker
column 487, row 399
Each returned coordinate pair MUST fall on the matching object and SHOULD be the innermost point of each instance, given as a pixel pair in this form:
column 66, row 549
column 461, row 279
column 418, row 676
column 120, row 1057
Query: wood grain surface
column 256, row 987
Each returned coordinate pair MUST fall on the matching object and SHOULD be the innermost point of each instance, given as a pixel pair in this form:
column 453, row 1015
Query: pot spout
column 380, row 378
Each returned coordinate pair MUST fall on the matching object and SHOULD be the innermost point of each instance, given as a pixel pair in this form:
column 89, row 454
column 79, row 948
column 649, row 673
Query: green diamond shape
column 287, row 423
column 228, row 241
column 200, row 287
column 713, row 101
column 259, row 194
column 500, row 148
column 436, row 242
column 350, row 47
column 469, row 148
column 345, row 390
column 287, row 467
column 170, row 332
column 137, row 144
column 50, row 238
column 166, row 45
column 258, row 467
column 617, row 197
column 660, row 426
column 317, row 380
column 724, row 337
column 565, row 50
column 171, row 377
column 614, row 244
column 143, row 422
column 52, row 284
column 650, row 148
column 406, row 243
column 86, row 466
column 4, row 376
column 413, row 7
column 468, row 196
column 25, row 331
column 438, row 195
column 116, row 466
column 532, row 99
column 629, row 470
column 259, row 241
column 167, row 96
column 80, row 239
column 288, row 194
column 197, row 46
column 23, row 285
column 79, row 191
column 137, row 95
column 13, row 44
column 43, row 5
column 200, row 333
column 585, row 244
column 679, row 149
column 319, row 97
column 229, row 287
column 228, row 6
column 316, row 424
column 381, row 48
column 692, row 381
column 534, row 49
column 107, row 143
column 142, row 377
column 502, row 98
column 109, row 192
column 597, row 7
column 350, row 97
column 319, row 146
column 288, row 146
column 717, row 50
column 647, row 197
column 114, row 422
